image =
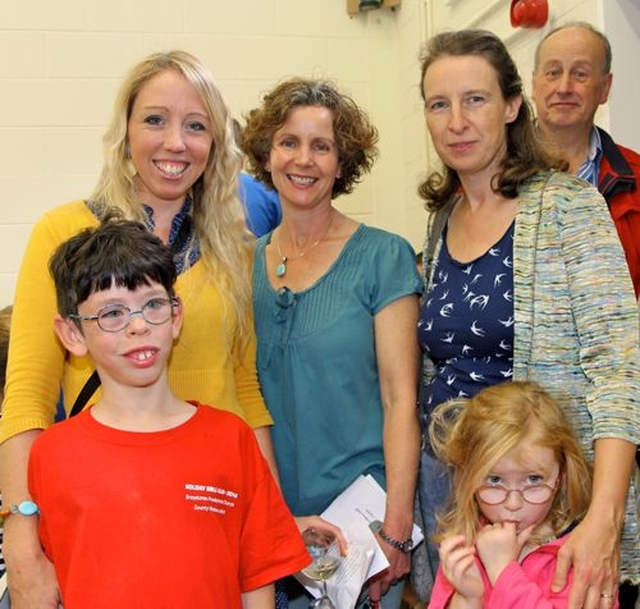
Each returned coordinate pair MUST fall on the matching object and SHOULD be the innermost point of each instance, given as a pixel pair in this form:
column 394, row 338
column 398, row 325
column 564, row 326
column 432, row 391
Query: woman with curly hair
column 335, row 302
column 171, row 162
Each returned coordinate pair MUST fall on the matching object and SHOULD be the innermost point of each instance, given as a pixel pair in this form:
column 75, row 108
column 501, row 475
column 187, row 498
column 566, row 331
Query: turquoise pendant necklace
column 281, row 268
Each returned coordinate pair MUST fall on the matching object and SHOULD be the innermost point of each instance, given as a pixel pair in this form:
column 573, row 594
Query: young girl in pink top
column 520, row 481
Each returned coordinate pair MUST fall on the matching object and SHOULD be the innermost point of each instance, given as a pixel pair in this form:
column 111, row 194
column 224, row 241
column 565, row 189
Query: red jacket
column 619, row 184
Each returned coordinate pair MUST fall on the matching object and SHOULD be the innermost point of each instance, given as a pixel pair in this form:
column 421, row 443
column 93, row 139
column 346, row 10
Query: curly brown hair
column 356, row 138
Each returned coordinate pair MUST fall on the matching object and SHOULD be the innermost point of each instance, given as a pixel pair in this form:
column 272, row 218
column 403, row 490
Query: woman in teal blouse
column 336, row 305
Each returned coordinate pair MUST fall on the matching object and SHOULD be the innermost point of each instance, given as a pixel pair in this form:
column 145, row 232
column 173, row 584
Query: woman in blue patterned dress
column 336, row 303
column 526, row 280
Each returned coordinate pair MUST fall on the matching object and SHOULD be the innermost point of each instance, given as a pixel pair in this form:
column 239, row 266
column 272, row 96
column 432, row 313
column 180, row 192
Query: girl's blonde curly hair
column 471, row 435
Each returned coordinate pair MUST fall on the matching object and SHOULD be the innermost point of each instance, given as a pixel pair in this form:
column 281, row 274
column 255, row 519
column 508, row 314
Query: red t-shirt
column 187, row 517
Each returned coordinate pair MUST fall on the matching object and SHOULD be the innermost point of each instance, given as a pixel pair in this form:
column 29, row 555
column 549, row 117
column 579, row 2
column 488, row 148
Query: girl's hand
column 457, row 561
column 500, row 544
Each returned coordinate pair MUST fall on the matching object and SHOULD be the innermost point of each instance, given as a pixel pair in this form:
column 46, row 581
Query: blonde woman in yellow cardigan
column 171, row 162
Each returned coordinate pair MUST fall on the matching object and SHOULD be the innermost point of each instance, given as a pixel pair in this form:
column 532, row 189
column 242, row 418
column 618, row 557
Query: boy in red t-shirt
column 146, row 500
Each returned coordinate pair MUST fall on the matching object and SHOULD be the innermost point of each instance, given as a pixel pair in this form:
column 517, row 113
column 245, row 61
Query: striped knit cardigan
column 576, row 319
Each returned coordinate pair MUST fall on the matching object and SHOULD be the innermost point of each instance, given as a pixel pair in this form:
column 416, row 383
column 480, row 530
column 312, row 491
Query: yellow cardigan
column 205, row 364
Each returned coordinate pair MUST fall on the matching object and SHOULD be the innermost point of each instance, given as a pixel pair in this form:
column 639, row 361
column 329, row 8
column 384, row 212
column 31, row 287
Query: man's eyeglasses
column 114, row 318
column 535, row 494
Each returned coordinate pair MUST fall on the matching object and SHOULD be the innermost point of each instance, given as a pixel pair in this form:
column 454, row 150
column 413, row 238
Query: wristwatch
column 404, row 546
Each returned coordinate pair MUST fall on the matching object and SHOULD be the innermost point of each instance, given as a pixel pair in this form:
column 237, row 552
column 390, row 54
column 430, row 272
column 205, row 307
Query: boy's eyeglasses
column 114, row 318
column 535, row 494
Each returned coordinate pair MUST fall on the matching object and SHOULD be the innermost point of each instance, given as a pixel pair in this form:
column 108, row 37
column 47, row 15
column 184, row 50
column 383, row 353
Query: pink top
column 524, row 585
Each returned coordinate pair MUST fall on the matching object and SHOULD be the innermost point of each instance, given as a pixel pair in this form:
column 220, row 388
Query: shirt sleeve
column 441, row 593
column 393, row 271
column 271, row 546
column 514, row 588
column 261, row 205
column 36, row 357
column 247, row 385
column 605, row 313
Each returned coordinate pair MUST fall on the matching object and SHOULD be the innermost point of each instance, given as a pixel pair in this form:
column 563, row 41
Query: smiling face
column 135, row 356
column 304, row 157
column 169, row 138
column 569, row 82
column 528, row 464
column 467, row 114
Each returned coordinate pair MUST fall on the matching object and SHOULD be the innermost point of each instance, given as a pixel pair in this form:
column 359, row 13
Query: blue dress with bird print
column 466, row 324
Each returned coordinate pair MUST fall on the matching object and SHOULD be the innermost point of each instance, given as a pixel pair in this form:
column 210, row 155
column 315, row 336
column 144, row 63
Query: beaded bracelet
column 24, row 508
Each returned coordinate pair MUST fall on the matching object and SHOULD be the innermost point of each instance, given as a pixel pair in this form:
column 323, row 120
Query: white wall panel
column 67, row 59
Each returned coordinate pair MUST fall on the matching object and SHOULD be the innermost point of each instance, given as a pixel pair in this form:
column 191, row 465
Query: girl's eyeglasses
column 535, row 494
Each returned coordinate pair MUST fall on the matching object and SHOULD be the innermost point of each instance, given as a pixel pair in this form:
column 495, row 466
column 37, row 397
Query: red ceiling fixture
column 529, row 13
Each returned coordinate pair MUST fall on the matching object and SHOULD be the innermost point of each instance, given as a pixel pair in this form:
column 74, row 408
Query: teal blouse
column 317, row 365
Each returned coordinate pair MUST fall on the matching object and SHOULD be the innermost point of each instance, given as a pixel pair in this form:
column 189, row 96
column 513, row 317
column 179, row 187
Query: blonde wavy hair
column 471, row 436
column 225, row 244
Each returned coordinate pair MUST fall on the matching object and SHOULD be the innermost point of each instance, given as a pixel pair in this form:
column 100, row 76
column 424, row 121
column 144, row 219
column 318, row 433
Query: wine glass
column 325, row 557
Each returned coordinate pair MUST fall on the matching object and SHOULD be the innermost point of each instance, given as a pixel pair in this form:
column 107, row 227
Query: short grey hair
column 606, row 45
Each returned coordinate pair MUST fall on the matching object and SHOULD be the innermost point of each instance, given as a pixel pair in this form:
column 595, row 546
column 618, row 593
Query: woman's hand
column 316, row 522
column 31, row 576
column 592, row 550
column 593, row 547
column 457, row 561
column 399, row 566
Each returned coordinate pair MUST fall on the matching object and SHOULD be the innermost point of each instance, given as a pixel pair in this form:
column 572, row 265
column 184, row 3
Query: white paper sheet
column 364, row 499
column 353, row 511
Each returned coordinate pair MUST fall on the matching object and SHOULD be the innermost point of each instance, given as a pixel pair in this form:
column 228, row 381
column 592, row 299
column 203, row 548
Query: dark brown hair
column 116, row 253
column 525, row 156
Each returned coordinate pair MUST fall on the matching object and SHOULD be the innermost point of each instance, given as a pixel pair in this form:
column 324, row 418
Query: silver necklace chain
column 281, row 268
